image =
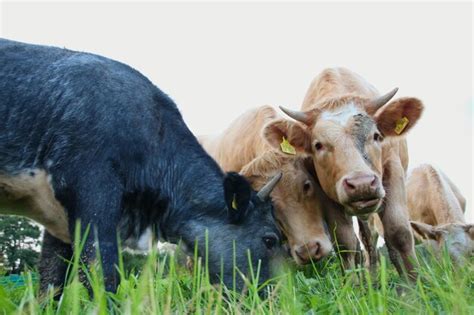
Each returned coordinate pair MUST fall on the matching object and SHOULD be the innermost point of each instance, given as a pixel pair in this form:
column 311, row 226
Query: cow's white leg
column 369, row 239
column 395, row 220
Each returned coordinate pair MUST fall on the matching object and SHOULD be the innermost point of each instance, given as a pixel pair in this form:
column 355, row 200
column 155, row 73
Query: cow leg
column 53, row 263
column 395, row 220
column 359, row 256
column 369, row 240
column 342, row 233
column 97, row 205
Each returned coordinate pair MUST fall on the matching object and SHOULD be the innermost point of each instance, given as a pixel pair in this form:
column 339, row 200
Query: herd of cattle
column 87, row 141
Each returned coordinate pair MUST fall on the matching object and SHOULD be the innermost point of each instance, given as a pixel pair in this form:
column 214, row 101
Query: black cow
column 86, row 138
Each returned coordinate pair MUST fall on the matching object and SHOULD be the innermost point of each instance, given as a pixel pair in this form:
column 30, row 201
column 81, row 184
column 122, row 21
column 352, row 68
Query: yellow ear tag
column 401, row 124
column 234, row 203
column 286, row 147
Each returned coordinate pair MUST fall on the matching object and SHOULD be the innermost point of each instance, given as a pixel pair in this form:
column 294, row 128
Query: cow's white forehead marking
column 341, row 115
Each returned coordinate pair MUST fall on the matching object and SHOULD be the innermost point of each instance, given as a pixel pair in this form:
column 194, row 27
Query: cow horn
column 264, row 193
column 382, row 100
column 298, row 115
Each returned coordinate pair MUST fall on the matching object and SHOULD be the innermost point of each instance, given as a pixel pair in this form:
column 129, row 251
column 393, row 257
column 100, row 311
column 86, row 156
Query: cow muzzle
column 362, row 193
column 311, row 251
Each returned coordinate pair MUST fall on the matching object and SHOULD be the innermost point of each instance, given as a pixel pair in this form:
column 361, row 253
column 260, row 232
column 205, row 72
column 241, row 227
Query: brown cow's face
column 345, row 140
column 297, row 209
column 347, row 154
column 457, row 238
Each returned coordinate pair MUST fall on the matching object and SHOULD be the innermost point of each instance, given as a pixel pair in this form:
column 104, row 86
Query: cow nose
column 361, row 183
column 309, row 251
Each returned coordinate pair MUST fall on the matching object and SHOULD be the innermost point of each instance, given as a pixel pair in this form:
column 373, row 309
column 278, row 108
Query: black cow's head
column 242, row 243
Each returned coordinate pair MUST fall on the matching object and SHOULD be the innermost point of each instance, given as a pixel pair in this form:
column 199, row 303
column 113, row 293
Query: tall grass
column 162, row 286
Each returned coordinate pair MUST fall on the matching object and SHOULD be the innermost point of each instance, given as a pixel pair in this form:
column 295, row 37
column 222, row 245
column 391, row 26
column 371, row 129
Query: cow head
column 457, row 238
column 345, row 137
column 297, row 209
column 242, row 244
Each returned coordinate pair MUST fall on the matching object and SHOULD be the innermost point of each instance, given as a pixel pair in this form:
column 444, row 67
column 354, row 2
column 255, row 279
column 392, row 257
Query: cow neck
column 192, row 184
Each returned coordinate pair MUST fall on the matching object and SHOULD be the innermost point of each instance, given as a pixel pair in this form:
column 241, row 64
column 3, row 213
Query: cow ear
column 426, row 231
column 237, row 194
column 297, row 135
column 398, row 116
column 469, row 228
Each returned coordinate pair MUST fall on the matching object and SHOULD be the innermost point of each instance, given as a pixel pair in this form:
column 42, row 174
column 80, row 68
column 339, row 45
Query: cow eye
column 270, row 241
column 377, row 137
column 318, row 146
column 306, row 186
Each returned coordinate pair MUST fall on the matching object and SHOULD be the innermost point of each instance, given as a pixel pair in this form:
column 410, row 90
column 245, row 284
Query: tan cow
column 243, row 147
column 356, row 139
column 436, row 208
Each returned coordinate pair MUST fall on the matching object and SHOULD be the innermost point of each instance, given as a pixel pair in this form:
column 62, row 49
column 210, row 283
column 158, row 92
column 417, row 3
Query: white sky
column 218, row 60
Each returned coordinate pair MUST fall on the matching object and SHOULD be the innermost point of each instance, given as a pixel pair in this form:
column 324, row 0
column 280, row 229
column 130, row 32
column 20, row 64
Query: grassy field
column 159, row 285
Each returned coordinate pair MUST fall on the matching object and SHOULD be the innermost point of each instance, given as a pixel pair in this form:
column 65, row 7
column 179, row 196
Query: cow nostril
column 374, row 182
column 315, row 250
column 309, row 251
column 317, row 247
column 348, row 185
column 299, row 253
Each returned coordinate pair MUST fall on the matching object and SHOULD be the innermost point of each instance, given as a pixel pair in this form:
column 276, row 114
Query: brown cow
column 436, row 208
column 243, row 147
column 355, row 137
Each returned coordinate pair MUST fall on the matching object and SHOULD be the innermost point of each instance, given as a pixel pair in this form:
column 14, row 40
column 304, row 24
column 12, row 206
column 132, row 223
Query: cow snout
column 363, row 183
column 309, row 251
column 363, row 192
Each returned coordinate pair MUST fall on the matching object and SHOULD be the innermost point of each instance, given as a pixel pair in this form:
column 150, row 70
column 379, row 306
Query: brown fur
column 436, row 208
column 334, row 99
column 336, row 83
column 432, row 198
column 244, row 147
column 30, row 194
column 242, row 141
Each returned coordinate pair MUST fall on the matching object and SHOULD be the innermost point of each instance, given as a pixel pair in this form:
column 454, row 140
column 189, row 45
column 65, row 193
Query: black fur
column 120, row 155
column 55, row 256
column 237, row 196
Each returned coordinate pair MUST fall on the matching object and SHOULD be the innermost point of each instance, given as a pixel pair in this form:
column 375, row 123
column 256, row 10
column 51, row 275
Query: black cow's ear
column 237, row 192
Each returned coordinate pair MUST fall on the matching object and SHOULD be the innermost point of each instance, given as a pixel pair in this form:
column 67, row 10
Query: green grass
column 161, row 286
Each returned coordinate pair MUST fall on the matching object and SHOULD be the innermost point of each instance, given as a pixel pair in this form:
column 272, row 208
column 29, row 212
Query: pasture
column 160, row 285
column 89, row 138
